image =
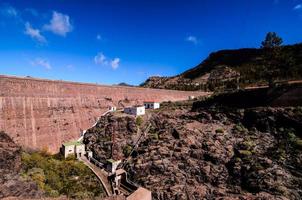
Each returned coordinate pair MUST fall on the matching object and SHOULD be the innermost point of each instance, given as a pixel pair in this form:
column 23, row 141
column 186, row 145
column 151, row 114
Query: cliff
column 40, row 113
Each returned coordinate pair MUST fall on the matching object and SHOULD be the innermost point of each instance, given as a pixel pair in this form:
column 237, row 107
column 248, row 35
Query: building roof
column 70, row 143
column 151, row 101
column 138, row 106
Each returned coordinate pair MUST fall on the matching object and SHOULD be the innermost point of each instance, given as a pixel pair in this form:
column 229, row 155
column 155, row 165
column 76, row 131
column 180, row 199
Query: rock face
column 11, row 184
column 110, row 137
column 43, row 114
column 210, row 153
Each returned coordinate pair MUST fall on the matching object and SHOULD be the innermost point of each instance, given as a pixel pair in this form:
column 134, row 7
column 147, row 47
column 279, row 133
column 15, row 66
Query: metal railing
column 96, row 162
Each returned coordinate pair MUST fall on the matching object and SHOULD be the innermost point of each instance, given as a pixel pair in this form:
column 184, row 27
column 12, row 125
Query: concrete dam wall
column 40, row 113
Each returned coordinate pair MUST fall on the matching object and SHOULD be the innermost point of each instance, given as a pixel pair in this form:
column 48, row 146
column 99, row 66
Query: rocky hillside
column 99, row 138
column 208, row 153
column 11, row 183
column 282, row 95
column 224, row 69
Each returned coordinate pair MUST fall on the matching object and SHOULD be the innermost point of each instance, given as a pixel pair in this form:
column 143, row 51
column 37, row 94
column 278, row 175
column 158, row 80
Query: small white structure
column 76, row 148
column 112, row 108
column 112, row 165
column 136, row 110
column 191, row 97
column 118, row 175
column 89, row 154
column 151, row 104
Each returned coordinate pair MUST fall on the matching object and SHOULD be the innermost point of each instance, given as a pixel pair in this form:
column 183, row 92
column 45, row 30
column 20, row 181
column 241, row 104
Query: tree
column 272, row 40
column 139, row 121
column 272, row 57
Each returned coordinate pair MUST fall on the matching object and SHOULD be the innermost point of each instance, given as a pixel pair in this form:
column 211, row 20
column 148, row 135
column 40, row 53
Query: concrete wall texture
column 40, row 113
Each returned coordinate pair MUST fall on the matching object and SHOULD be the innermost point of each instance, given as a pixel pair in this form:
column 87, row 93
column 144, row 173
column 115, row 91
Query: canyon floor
column 207, row 153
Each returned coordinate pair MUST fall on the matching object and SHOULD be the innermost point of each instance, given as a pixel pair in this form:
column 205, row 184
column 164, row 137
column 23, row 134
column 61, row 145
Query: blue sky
column 113, row 41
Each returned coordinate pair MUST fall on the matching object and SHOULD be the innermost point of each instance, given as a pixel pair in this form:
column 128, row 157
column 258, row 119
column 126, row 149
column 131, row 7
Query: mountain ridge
column 231, row 68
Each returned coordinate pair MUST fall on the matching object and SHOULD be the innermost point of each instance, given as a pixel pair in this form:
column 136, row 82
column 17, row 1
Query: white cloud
column 9, row 11
column 42, row 63
column 192, row 39
column 98, row 37
column 298, row 7
column 59, row 24
column 101, row 59
column 34, row 33
column 115, row 63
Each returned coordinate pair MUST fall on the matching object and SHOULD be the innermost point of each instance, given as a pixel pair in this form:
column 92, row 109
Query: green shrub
column 37, row 175
column 298, row 144
column 258, row 166
column 281, row 189
column 248, row 144
column 50, row 192
column 83, row 195
column 219, row 130
column 71, row 157
column 154, row 136
column 139, row 121
column 59, row 176
column 298, row 110
column 245, row 152
column 127, row 150
column 280, row 154
column 292, row 138
column 240, row 128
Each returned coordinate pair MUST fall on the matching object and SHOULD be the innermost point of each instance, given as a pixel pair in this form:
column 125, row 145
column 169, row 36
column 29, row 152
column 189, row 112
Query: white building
column 76, row 148
column 112, row 165
column 90, row 154
column 112, row 108
column 136, row 110
column 151, row 105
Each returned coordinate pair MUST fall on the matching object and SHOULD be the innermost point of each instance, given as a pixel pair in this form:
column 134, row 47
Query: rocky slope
column 122, row 129
column 11, row 183
column 208, row 153
column 223, row 69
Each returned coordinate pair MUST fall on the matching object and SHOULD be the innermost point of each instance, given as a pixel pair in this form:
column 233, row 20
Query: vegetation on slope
column 57, row 176
column 254, row 66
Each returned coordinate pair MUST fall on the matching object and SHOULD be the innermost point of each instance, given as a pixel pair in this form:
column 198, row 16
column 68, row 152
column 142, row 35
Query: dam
column 43, row 114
